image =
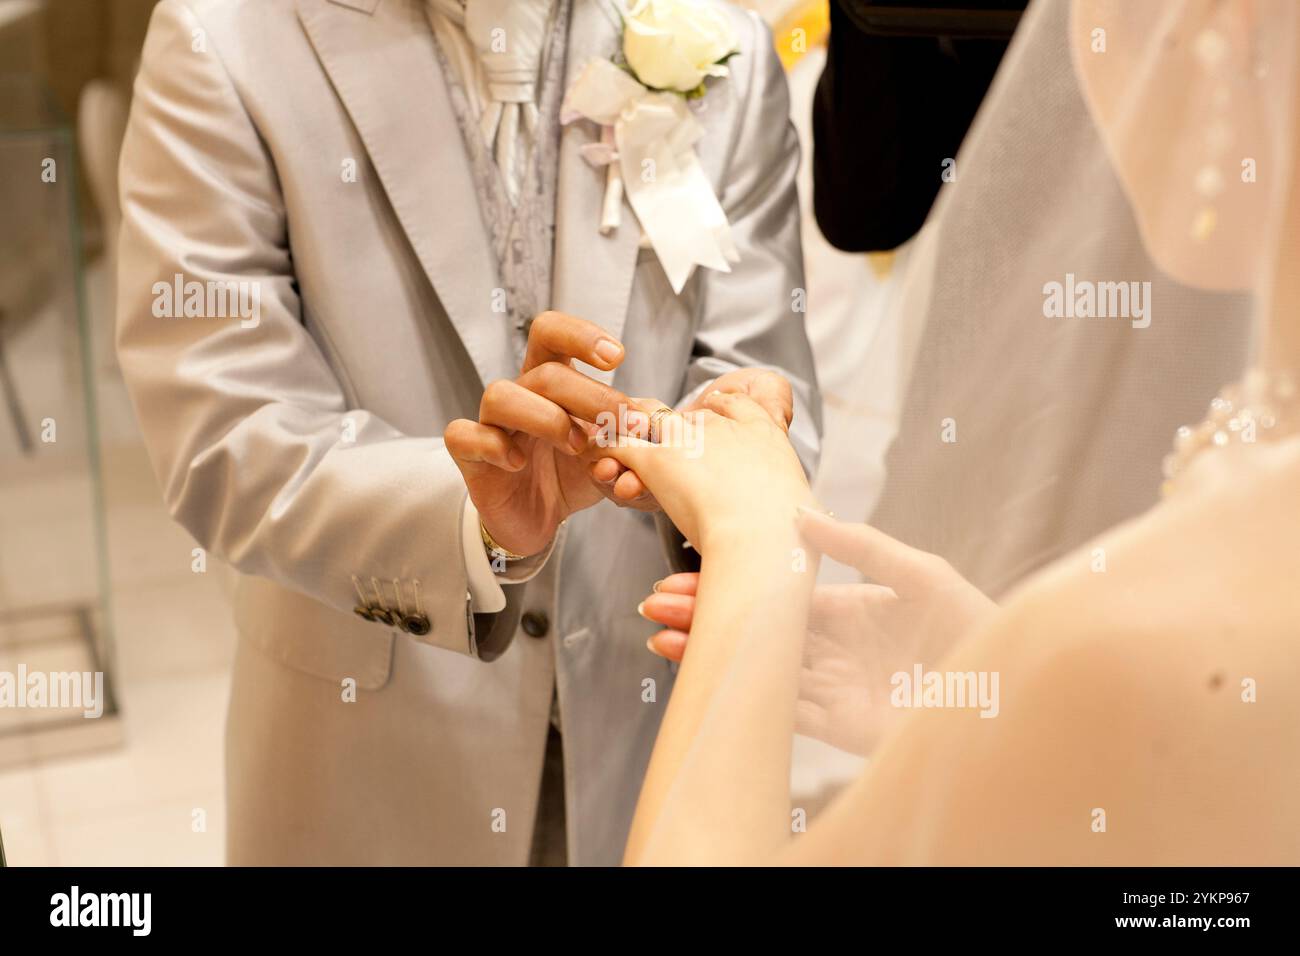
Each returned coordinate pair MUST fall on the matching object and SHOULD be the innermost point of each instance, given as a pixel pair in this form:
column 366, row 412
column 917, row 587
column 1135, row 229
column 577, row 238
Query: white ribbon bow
column 650, row 154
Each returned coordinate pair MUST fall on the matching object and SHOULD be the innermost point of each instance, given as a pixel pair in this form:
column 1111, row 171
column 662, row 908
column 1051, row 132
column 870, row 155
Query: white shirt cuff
column 486, row 596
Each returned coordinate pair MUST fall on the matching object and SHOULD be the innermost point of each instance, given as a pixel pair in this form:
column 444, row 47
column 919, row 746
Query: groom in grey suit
column 335, row 236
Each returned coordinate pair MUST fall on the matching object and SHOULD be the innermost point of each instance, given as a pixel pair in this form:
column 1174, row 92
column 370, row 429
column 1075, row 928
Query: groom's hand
column 522, row 459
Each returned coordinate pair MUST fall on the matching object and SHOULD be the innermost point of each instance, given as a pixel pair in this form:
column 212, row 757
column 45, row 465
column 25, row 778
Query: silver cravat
column 506, row 39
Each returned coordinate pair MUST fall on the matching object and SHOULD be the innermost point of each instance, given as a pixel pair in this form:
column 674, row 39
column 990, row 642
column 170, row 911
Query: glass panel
column 53, row 563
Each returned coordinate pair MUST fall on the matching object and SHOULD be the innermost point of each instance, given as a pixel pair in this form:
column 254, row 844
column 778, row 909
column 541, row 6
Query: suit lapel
column 381, row 59
column 592, row 274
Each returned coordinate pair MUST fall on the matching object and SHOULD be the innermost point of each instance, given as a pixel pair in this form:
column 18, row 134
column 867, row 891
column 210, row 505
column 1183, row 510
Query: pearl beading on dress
column 1261, row 407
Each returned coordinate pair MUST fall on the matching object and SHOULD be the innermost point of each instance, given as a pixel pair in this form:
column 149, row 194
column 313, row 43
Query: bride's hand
column 859, row 635
column 764, row 386
column 727, row 469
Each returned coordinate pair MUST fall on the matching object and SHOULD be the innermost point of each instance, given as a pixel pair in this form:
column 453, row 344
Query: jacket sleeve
column 250, row 433
column 888, row 112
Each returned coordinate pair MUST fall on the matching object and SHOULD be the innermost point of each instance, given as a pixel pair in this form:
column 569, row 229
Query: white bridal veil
column 1094, row 274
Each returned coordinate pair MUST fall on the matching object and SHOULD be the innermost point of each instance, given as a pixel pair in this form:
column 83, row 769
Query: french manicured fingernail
column 650, row 645
column 657, row 585
column 640, row 609
column 516, row 458
column 609, row 351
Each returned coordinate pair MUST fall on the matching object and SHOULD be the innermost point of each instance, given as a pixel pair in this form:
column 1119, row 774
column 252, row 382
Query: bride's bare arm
column 717, row 789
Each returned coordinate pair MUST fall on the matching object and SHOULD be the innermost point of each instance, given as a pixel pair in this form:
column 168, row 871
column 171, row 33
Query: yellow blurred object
column 805, row 26
column 882, row 263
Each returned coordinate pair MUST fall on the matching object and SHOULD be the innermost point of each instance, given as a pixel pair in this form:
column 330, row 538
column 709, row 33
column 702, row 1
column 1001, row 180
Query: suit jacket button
column 535, row 623
column 416, row 624
column 363, row 612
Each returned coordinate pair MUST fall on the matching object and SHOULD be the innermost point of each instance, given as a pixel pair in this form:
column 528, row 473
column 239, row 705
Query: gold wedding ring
column 656, row 421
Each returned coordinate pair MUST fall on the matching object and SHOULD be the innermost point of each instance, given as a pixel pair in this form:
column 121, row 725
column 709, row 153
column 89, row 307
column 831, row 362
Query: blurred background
column 94, row 576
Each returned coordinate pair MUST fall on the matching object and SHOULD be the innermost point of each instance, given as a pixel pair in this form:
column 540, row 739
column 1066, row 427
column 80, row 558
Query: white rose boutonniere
column 648, row 133
column 674, row 44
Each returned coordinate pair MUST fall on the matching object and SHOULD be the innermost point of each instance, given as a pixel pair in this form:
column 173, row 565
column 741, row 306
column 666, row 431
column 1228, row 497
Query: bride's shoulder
column 1138, row 695
column 1214, row 560
column 1197, row 593
column 1149, row 676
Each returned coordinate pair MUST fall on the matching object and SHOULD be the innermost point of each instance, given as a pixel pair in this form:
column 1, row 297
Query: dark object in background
column 900, row 87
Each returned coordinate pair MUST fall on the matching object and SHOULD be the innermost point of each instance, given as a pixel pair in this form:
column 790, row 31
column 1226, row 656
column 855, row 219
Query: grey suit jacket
column 308, row 153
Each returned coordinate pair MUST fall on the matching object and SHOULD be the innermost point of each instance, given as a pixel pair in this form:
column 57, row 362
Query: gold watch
column 490, row 543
